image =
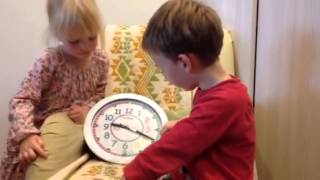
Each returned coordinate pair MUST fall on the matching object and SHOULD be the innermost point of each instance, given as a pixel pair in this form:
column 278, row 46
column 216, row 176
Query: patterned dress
column 52, row 85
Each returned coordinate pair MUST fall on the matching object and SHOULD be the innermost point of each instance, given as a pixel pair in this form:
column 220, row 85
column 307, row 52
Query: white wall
column 128, row 12
column 22, row 27
column 240, row 18
column 23, row 36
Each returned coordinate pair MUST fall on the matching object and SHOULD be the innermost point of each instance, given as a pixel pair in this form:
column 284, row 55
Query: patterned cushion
column 132, row 70
column 95, row 169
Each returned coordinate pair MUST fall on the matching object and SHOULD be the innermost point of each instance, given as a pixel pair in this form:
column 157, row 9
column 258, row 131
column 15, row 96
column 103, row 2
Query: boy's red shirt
column 217, row 140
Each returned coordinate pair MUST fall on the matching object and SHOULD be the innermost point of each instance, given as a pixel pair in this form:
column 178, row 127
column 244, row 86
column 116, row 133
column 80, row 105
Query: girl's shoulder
column 100, row 58
column 49, row 58
column 49, row 55
column 100, row 55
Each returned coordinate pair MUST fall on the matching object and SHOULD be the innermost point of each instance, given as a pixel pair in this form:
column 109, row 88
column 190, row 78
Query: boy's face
column 175, row 72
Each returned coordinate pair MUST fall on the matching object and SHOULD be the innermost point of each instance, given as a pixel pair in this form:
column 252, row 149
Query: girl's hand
column 168, row 126
column 30, row 148
column 78, row 113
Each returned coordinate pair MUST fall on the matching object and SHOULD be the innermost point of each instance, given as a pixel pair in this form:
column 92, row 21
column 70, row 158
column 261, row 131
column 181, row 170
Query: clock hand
column 142, row 134
column 132, row 130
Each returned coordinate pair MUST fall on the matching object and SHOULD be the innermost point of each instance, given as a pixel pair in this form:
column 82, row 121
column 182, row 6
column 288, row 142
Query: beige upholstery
column 64, row 141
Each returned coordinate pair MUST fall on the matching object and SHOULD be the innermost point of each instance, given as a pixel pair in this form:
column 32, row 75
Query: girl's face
column 79, row 45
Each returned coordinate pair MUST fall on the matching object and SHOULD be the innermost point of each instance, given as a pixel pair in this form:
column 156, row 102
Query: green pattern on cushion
column 132, row 70
column 99, row 170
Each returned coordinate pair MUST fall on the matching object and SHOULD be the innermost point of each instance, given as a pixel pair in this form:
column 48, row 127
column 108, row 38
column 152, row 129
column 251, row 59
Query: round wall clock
column 118, row 127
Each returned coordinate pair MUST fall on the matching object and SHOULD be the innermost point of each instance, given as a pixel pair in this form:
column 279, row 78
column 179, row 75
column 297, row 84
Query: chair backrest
column 132, row 70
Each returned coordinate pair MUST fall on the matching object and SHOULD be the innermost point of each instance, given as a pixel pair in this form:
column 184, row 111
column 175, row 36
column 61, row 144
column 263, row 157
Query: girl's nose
column 86, row 46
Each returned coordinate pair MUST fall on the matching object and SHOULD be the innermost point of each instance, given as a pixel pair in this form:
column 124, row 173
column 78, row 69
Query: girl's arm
column 22, row 105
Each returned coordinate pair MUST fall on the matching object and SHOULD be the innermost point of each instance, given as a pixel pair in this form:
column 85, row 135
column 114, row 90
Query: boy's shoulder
column 231, row 93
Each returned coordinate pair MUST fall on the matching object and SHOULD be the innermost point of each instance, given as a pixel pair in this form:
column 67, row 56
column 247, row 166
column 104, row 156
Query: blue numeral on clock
column 109, row 117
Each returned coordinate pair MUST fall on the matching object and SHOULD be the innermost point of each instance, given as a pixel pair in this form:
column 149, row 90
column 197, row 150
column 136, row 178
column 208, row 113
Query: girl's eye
column 74, row 42
column 92, row 38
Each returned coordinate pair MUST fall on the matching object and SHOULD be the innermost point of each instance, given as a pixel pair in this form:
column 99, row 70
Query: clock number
column 139, row 113
column 118, row 111
column 147, row 120
column 114, row 142
column 129, row 111
column 109, row 117
column 158, row 130
column 106, row 135
column 106, row 126
column 125, row 146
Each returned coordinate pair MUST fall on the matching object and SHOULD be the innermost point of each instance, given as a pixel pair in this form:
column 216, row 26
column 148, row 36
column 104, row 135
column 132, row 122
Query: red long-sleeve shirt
column 216, row 141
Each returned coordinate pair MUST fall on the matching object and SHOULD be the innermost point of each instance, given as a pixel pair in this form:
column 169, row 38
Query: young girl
column 69, row 78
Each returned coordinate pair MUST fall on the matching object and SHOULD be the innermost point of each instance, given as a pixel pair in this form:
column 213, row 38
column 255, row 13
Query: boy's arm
column 189, row 138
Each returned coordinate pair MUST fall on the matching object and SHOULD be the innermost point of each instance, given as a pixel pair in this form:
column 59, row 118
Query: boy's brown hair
column 185, row 26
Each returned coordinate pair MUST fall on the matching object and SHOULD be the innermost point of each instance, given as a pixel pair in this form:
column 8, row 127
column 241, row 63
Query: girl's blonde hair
column 65, row 15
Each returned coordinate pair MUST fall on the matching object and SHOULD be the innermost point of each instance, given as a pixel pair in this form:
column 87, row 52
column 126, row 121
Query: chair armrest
column 65, row 172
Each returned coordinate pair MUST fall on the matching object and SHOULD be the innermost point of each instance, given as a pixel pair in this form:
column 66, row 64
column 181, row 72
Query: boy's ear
column 184, row 62
column 188, row 62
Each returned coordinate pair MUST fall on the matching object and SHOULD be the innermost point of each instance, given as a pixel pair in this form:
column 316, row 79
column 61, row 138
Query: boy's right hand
column 168, row 126
column 30, row 148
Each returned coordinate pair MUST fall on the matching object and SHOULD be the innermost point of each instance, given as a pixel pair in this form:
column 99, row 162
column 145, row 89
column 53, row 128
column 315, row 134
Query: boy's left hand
column 78, row 113
column 168, row 126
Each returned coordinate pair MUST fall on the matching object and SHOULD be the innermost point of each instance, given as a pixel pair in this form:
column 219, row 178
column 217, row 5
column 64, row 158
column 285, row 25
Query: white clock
column 119, row 127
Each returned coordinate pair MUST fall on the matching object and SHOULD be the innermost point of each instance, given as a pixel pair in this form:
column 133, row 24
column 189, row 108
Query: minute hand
column 132, row 130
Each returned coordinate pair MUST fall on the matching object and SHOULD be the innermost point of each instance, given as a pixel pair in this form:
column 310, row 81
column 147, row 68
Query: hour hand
column 132, row 130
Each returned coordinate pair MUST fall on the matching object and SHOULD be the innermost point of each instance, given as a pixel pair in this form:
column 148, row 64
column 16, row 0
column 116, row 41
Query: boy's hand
column 78, row 113
column 30, row 148
column 168, row 126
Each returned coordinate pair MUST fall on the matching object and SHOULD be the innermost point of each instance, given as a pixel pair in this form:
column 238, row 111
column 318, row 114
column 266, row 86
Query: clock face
column 119, row 127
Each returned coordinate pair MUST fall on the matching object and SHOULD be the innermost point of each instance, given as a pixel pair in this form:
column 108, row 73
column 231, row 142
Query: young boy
column 217, row 140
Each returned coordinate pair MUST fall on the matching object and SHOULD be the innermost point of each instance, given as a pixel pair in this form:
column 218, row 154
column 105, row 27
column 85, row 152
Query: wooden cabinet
column 287, row 90
column 285, row 76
